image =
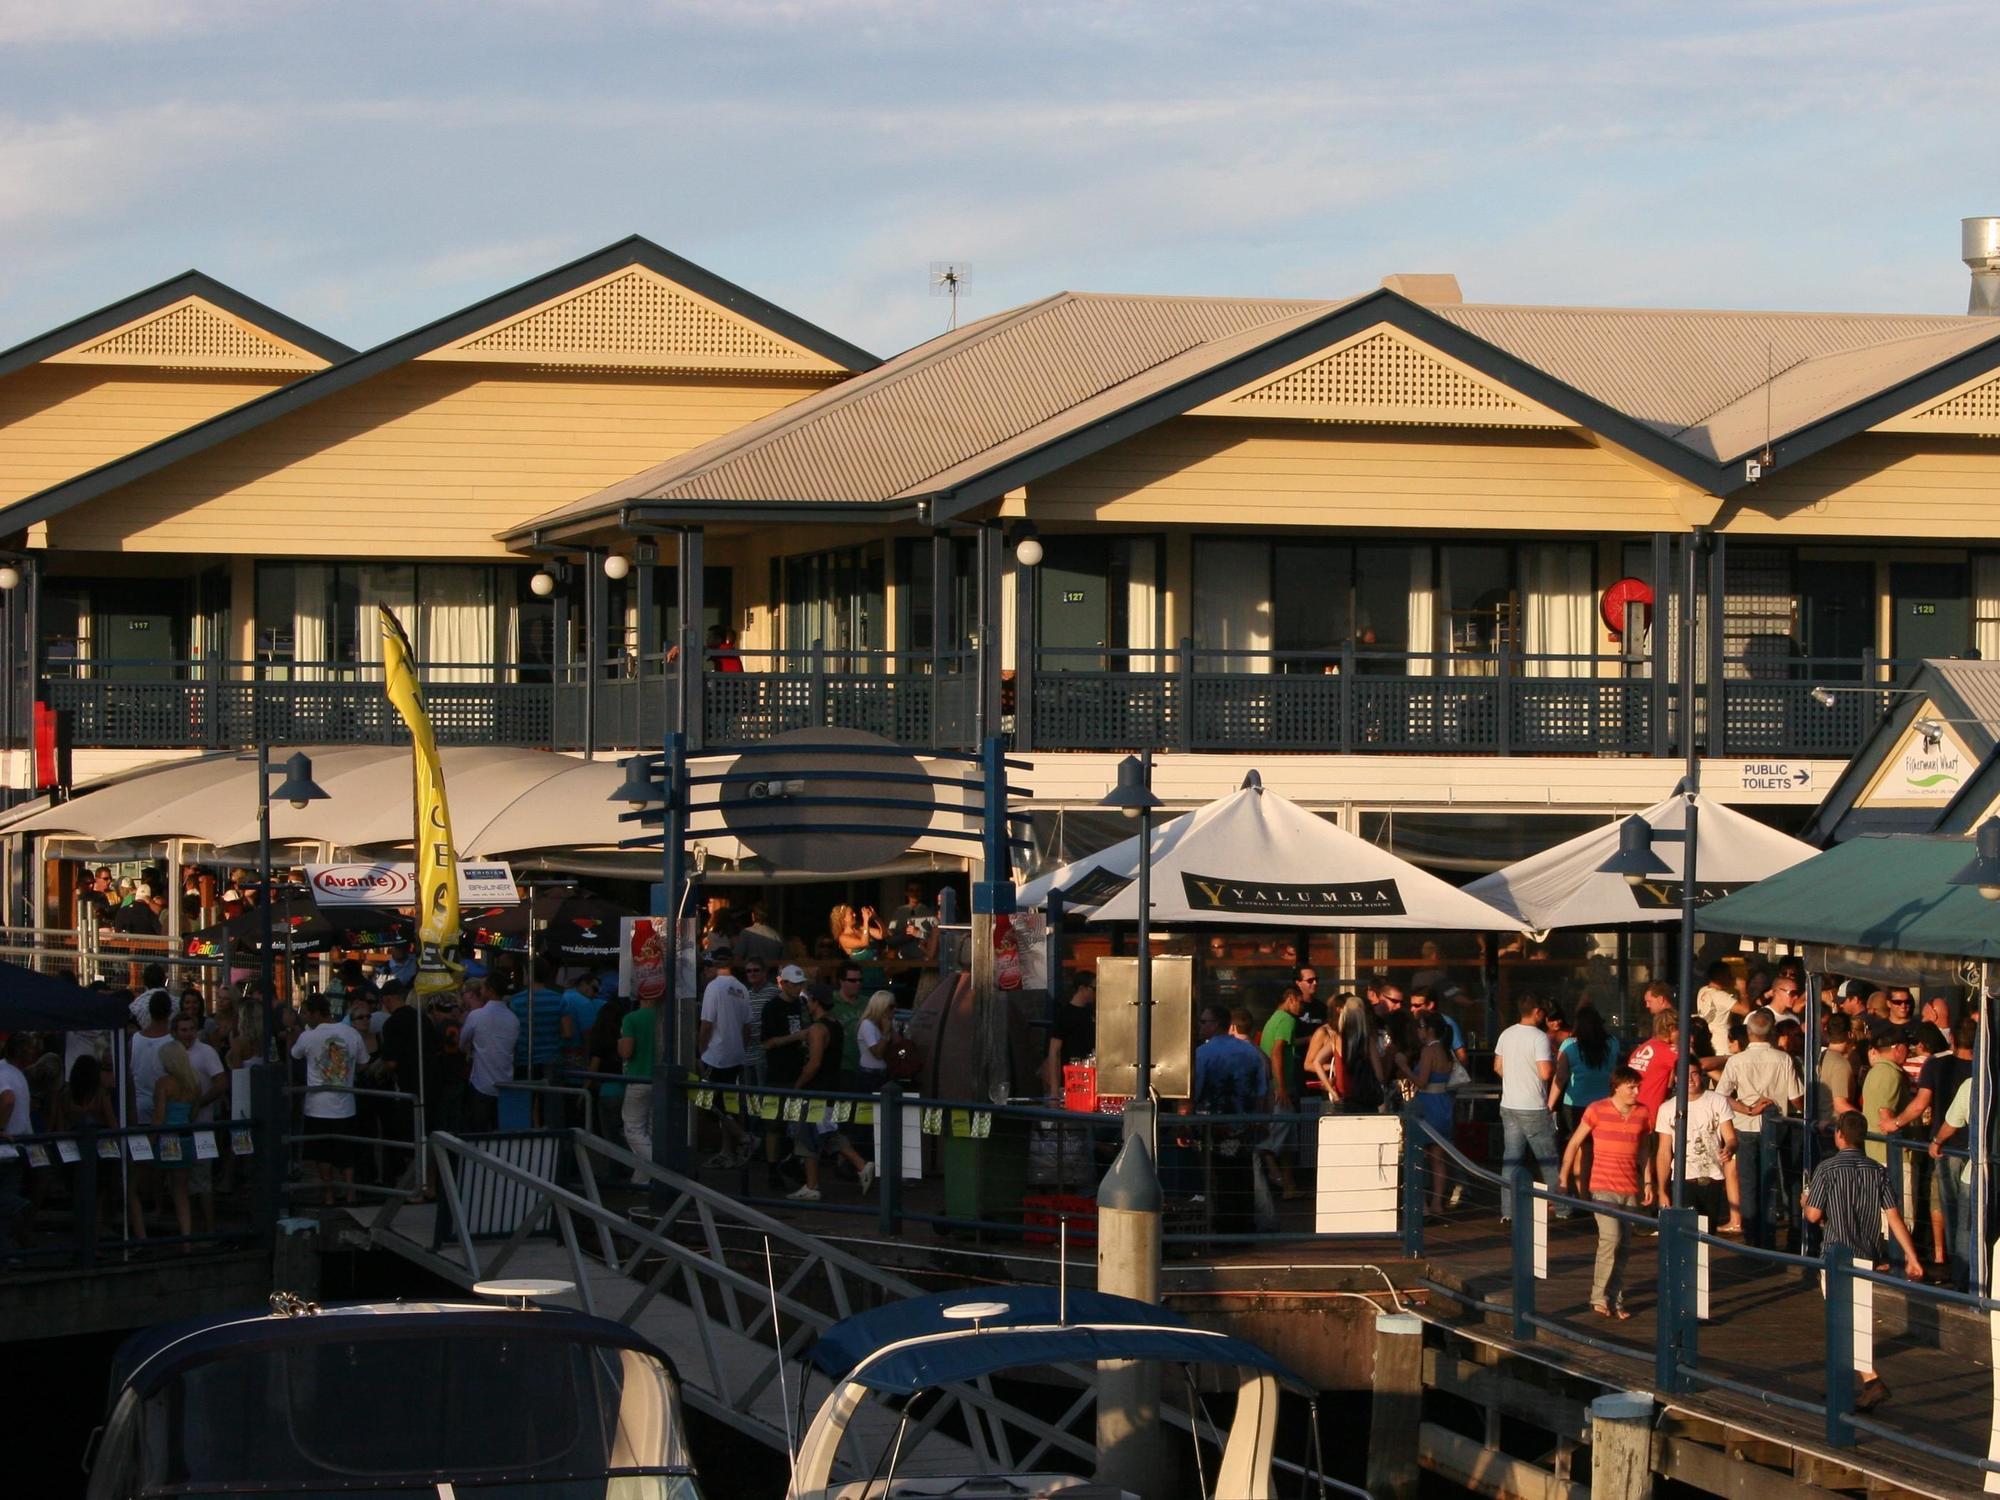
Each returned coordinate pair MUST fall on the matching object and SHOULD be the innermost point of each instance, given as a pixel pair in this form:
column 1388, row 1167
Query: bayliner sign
column 484, row 884
column 1367, row 898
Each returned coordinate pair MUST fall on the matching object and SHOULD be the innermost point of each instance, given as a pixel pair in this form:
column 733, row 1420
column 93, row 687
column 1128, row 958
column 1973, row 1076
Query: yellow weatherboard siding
column 1931, row 488
column 426, row 460
column 59, row 421
column 1204, row 471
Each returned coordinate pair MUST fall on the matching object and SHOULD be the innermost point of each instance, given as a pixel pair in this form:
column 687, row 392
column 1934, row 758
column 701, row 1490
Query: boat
column 898, row 1351
column 503, row 1400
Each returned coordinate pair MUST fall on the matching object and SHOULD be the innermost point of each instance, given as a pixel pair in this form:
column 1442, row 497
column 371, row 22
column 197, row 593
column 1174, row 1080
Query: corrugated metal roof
column 966, row 396
column 1674, row 368
column 1977, row 684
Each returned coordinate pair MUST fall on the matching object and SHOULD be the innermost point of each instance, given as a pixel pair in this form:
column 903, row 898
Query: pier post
column 1130, row 1453
column 1398, row 1410
column 1621, row 1446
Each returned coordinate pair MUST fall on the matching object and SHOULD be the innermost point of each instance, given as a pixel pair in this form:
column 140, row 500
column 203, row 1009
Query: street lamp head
column 10, row 578
column 542, row 584
column 1984, row 870
column 616, row 565
column 1132, row 795
column 298, row 787
column 1634, row 857
column 637, row 790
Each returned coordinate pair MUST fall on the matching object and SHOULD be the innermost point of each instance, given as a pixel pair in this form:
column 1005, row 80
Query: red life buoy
column 1625, row 591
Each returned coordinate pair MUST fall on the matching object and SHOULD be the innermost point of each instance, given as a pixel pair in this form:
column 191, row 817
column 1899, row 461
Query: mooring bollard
column 1398, row 1410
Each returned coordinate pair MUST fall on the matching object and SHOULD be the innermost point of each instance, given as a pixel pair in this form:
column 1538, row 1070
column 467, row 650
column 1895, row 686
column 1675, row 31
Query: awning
column 1260, row 859
column 42, row 1002
column 1878, row 900
column 1563, row 887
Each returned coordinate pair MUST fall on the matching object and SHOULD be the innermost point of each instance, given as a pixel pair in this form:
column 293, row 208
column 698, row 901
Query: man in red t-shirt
column 1653, row 1061
column 1621, row 1173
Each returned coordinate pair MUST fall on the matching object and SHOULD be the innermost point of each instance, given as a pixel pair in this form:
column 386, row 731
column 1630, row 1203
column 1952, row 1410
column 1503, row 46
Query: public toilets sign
column 484, row 884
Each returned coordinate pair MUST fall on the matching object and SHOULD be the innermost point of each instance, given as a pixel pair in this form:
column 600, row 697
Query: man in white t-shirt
column 1525, row 1060
column 16, row 1118
column 1710, row 1148
column 333, row 1052
column 144, row 1056
column 724, row 1044
column 207, row 1063
column 487, row 1036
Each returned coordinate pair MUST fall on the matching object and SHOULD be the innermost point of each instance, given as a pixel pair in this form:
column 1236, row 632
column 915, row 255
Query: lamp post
column 10, row 711
column 298, row 788
column 1133, row 796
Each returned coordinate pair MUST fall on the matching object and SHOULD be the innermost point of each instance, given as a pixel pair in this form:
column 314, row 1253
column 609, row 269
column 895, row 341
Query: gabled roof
column 153, row 299
column 437, row 335
column 1965, row 695
column 963, row 419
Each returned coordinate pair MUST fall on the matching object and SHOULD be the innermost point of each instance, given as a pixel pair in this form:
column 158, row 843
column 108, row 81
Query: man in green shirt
column 636, row 1034
column 1886, row 1086
column 1276, row 1042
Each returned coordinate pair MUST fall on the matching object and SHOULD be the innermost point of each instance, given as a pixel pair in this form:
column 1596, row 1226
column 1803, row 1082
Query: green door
column 135, row 646
column 1933, row 616
column 1073, row 623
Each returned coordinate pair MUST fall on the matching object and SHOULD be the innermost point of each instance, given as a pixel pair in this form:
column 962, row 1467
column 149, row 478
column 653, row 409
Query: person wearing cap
column 723, row 1045
column 779, row 1023
column 1885, row 1089
column 1853, row 998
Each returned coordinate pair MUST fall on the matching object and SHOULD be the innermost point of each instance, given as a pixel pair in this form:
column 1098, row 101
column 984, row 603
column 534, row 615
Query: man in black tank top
column 821, row 1039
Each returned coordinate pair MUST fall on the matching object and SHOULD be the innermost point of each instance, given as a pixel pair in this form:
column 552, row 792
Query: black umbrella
column 300, row 927
column 573, row 927
column 42, row 1002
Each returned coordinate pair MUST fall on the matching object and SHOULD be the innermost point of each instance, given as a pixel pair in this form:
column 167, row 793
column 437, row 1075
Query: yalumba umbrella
column 573, row 927
column 298, row 926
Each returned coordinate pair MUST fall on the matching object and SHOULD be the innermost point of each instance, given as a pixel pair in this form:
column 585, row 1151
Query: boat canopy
column 913, row 1345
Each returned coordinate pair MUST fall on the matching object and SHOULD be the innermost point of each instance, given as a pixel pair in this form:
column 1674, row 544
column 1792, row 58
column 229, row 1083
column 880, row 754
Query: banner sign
column 489, row 883
column 1665, row 895
column 1367, row 898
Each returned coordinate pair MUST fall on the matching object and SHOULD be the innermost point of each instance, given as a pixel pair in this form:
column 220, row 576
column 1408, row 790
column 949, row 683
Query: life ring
column 1625, row 591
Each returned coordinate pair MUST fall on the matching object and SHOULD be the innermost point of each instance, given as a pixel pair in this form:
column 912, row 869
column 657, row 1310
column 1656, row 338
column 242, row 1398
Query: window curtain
column 1557, row 600
column 1232, row 606
column 312, row 591
column 1141, row 602
column 1422, row 624
column 1986, row 604
column 457, row 618
column 393, row 584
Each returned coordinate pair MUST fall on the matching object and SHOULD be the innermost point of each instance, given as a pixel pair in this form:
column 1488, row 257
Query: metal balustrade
column 1178, row 698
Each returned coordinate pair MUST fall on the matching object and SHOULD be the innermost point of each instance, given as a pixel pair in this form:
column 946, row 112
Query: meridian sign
column 1366, row 898
column 381, row 884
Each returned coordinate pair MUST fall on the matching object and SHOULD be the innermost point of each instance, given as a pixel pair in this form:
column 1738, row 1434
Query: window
column 318, row 618
column 834, row 601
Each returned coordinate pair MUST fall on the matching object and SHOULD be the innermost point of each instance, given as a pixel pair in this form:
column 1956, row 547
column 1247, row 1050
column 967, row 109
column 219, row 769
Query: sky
column 368, row 166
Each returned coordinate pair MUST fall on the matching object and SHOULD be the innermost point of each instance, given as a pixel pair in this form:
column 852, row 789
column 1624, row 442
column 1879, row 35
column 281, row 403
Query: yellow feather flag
column 438, row 968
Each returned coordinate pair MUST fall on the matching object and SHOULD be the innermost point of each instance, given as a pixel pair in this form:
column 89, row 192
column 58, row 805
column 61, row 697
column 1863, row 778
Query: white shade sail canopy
column 1261, row 859
column 1095, row 878
column 503, row 802
column 1563, row 886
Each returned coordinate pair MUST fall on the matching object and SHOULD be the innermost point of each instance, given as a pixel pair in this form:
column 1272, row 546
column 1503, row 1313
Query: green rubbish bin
column 985, row 1179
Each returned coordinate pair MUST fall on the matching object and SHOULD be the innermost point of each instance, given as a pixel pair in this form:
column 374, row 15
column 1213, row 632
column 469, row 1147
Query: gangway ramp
column 692, row 1279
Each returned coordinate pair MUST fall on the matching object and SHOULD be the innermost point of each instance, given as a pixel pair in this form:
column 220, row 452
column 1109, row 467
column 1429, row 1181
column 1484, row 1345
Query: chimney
column 1440, row 289
column 1979, row 243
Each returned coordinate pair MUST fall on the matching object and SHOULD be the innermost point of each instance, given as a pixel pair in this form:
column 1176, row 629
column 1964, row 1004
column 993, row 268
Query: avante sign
column 1366, row 898
column 487, row 883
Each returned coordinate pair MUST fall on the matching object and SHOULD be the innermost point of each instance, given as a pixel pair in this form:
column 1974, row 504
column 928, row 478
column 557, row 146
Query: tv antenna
column 948, row 278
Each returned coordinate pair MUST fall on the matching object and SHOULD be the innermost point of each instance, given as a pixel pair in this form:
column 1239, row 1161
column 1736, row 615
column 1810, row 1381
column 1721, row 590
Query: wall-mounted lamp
column 616, row 566
column 542, row 584
column 1027, row 545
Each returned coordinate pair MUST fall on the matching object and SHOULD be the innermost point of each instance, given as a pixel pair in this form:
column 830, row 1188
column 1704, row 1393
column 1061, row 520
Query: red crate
column 1080, row 1088
column 1048, row 1210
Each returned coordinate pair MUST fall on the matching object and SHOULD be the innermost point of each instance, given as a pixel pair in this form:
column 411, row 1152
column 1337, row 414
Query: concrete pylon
column 1131, row 1453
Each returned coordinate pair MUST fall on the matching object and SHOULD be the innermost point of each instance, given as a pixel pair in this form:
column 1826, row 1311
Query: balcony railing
column 1177, row 698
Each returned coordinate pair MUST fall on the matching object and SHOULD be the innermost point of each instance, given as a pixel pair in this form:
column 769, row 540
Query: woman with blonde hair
column 174, row 1098
column 861, row 936
column 872, row 1038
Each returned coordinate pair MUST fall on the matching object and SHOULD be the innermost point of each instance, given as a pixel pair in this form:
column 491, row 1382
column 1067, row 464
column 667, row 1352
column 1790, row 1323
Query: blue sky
column 368, row 166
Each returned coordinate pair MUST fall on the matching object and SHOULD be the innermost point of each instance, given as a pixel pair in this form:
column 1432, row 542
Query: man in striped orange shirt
column 1621, row 1174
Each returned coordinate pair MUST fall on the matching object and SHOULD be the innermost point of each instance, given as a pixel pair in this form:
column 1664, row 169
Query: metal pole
column 265, row 978
column 592, row 576
column 1690, row 789
column 669, row 1111
column 1143, row 1034
column 1982, row 1114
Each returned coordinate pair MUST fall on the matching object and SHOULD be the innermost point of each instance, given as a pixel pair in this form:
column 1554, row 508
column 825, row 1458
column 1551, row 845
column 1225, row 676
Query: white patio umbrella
column 1260, row 859
column 1095, row 878
column 1563, row 886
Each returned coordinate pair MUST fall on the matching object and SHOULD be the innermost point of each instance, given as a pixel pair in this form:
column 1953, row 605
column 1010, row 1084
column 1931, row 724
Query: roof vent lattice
column 634, row 315
column 192, row 333
column 1381, row 371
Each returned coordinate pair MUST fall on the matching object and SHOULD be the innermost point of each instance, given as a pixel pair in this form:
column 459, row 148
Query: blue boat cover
column 43, row 1002
column 852, row 1340
column 1100, row 1326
